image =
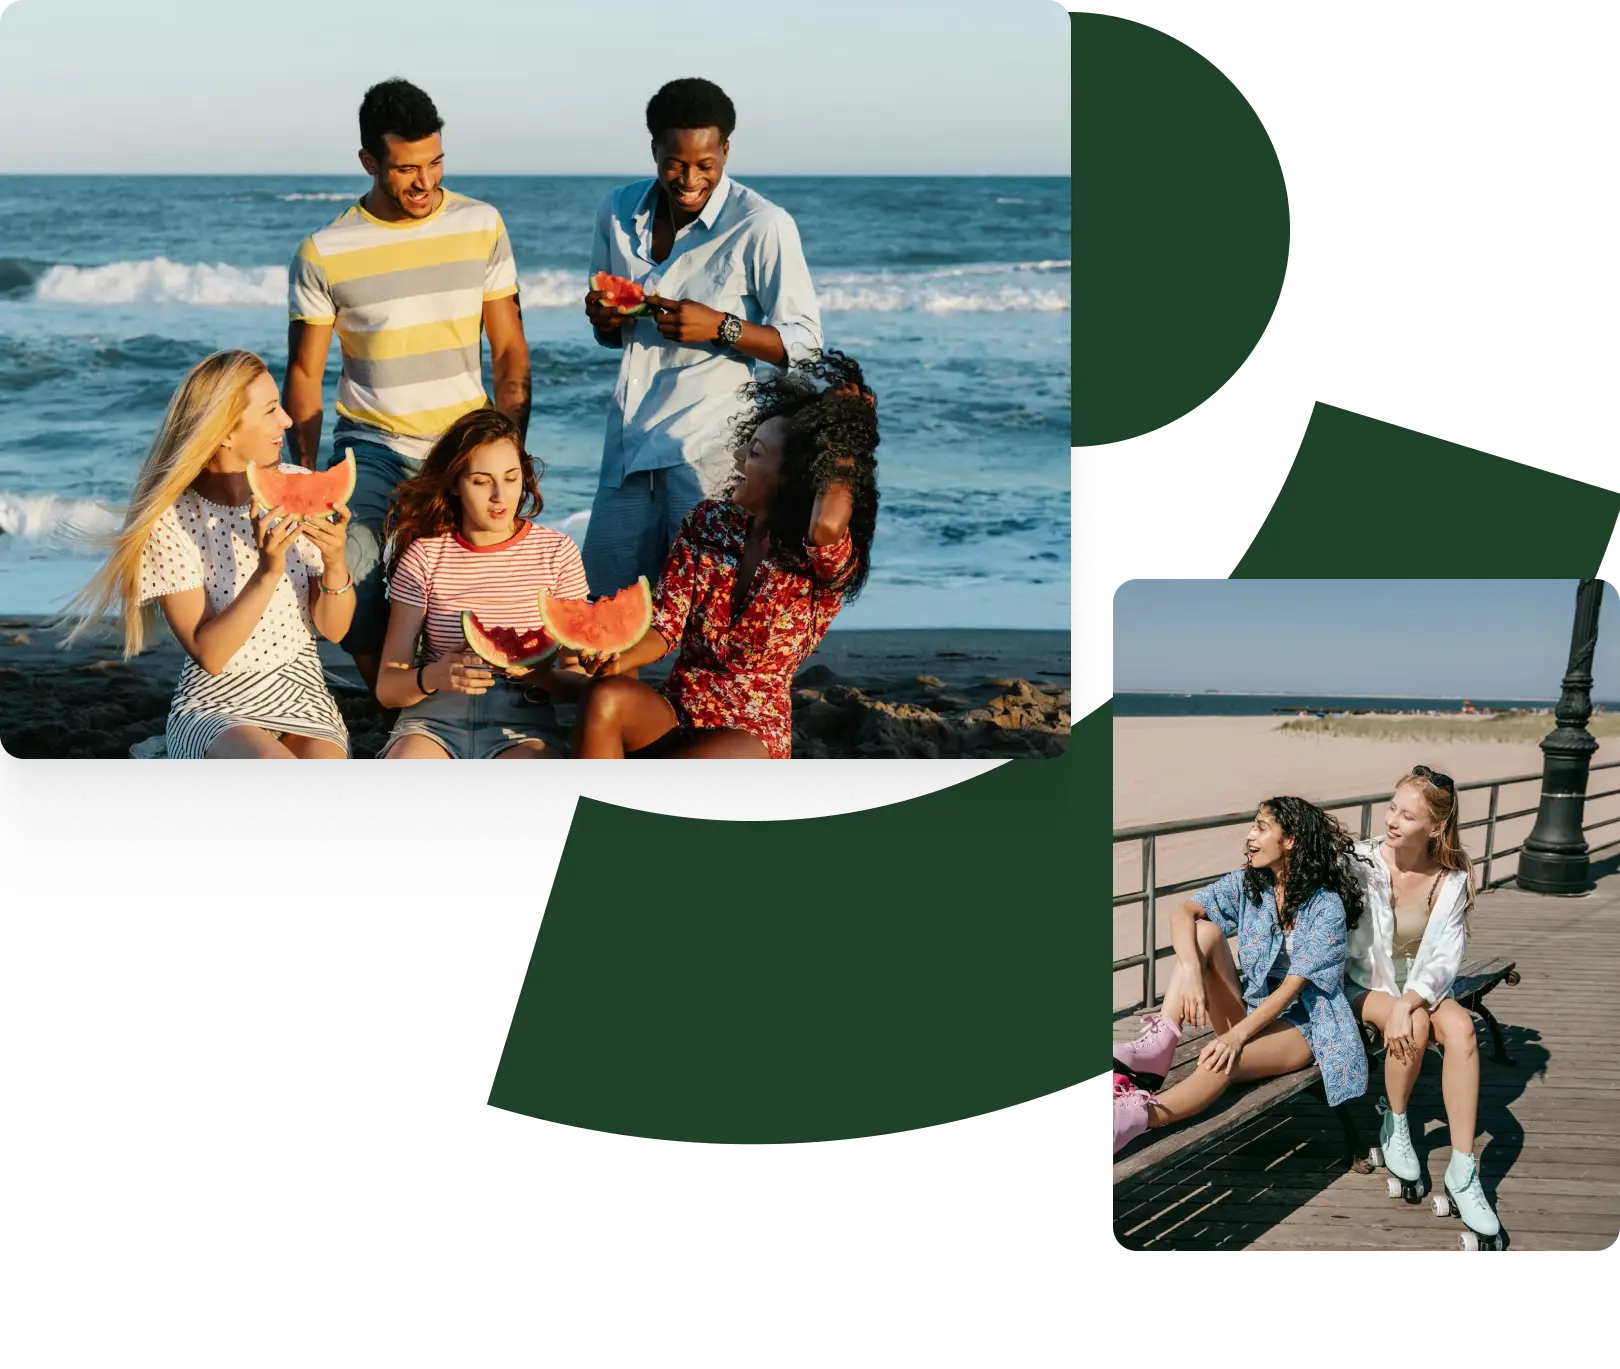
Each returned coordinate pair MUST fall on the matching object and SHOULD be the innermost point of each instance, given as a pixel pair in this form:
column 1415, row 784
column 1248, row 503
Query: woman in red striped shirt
column 463, row 537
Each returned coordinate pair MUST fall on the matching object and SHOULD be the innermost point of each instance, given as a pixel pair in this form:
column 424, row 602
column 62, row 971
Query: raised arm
column 211, row 641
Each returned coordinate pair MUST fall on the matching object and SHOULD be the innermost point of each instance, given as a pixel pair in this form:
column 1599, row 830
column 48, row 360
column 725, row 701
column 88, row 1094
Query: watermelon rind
column 576, row 635
column 485, row 647
column 347, row 465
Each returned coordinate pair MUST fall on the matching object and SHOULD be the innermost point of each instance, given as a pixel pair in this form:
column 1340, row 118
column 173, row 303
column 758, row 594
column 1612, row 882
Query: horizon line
column 779, row 175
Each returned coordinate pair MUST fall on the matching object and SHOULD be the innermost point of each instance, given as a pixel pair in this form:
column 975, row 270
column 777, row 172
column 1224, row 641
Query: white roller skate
column 1396, row 1153
column 1464, row 1198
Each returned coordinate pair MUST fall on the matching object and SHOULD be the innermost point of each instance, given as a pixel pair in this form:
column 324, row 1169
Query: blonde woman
column 1404, row 957
column 244, row 591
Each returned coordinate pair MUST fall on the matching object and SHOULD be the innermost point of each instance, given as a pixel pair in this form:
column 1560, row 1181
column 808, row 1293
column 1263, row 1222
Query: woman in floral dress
column 752, row 582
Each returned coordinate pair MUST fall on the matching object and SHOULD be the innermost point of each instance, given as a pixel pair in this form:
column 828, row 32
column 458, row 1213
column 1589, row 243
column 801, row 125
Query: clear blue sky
column 888, row 87
column 1446, row 638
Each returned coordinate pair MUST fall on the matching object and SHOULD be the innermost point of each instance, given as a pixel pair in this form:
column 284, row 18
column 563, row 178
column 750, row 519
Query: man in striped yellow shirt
column 410, row 277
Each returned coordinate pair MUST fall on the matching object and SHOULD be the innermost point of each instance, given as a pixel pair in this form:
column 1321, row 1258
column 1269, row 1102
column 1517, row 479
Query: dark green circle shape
column 1180, row 229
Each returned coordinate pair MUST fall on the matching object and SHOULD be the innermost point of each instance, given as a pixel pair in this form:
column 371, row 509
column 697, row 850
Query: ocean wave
column 48, row 518
column 979, row 287
column 52, row 518
column 333, row 195
column 161, row 281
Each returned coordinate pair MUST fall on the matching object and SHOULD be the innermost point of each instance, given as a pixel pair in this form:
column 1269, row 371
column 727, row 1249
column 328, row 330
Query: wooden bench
column 1244, row 1102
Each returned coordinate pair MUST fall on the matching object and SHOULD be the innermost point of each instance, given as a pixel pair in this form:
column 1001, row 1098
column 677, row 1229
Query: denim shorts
column 477, row 727
column 378, row 472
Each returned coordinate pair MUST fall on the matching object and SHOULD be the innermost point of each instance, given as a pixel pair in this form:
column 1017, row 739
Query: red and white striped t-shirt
column 500, row 583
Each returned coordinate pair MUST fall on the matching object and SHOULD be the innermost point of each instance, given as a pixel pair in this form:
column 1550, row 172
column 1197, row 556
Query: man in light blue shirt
column 725, row 273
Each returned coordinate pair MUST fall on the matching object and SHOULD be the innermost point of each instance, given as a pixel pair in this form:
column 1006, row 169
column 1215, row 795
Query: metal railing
column 1151, row 891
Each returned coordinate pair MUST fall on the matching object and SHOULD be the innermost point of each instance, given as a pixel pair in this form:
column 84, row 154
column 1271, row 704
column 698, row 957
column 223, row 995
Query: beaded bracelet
column 348, row 585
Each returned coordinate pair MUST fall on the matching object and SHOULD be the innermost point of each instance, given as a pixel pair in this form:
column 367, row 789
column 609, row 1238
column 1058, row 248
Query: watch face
column 730, row 328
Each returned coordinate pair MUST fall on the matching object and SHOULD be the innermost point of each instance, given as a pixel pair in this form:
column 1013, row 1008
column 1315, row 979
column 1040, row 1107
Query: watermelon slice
column 621, row 294
column 508, row 648
column 303, row 495
column 607, row 626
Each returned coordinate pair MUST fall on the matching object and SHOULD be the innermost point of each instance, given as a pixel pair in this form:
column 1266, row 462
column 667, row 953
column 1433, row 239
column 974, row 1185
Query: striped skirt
column 291, row 698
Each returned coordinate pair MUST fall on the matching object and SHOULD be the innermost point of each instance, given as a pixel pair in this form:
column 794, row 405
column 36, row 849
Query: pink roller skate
column 1131, row 1107
column 1146, row 1060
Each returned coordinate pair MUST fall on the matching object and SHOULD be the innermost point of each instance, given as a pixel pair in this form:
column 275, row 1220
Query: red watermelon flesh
column 603, row 628
column 621, row 294
column 303, row 495
column 507, row 648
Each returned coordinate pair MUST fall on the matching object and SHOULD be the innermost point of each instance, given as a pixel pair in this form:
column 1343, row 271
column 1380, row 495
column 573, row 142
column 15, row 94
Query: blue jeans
column 378, row 471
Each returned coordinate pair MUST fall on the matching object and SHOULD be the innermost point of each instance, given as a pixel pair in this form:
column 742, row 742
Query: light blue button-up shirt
column 673, row 403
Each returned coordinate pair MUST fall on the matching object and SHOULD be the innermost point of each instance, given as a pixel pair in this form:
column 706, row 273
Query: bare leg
column 313, row 748
column 1220, row 981
column 619, row 715
column 1400, row 1076
column 1459, row 1073
column 413, row 746
column 722, row 743
column 248, row 743
column 1279, row 1049
column 532, row 750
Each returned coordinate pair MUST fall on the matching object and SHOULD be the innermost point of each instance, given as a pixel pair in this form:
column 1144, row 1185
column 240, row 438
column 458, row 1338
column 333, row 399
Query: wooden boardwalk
column 1548, row 1123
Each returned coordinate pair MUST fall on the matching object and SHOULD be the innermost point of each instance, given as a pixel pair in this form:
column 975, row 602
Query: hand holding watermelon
column 611, row 300
column 273, row 533
column 331, row 539
column 461, row 672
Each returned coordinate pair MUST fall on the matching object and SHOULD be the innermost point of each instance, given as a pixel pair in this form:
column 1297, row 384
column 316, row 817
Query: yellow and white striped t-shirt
column 406, row 300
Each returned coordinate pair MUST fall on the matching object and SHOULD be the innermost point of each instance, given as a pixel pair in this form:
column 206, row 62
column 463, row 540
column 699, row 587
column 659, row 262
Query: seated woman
column 1288, row 907
column 462, row 536
column 244, row 590
column 1419, row 887
column 752, row 582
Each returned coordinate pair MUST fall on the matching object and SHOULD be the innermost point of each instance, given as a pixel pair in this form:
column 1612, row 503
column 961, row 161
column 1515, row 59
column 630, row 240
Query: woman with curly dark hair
column 1290, row 907
column 753, row 581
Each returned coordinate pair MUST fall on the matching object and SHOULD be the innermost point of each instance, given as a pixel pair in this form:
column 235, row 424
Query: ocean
column 1214, row 705
column 952, row 292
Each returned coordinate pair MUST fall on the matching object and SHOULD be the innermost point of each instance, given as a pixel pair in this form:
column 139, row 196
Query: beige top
column 1410, row 920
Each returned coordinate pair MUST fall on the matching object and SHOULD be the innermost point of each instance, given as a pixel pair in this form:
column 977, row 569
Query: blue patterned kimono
column 1320, row 946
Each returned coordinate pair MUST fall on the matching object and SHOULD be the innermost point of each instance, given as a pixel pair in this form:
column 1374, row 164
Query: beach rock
column 817, row 674
column 931, row 682
column 19, row 639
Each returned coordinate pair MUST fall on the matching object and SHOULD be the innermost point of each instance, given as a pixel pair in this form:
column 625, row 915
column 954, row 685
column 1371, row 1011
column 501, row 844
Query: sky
column 876, row 87
column 1501, row 639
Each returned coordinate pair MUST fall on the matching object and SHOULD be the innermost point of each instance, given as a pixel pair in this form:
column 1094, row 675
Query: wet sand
column 926, row 693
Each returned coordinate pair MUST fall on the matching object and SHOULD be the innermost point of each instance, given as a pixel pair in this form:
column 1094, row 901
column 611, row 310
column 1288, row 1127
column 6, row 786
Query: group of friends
column 1330, row 934
column 749, row 497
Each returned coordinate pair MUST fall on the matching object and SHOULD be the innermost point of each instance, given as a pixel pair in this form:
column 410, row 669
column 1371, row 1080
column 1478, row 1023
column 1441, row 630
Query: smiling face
column 406, row 178
column 1266, row 848
column 690, row 163
column 1408, row 824
column 256, row 439
column 759, row 467
column 490, row 488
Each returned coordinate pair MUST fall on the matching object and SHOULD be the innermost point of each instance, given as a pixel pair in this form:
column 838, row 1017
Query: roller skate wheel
column 1442, row 1205
column 1468, row 1241
column 1375, row 1158
column 1392, row 1186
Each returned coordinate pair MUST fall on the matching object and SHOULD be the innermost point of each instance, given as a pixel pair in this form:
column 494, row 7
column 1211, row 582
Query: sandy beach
column 1171, row 768
column 925, row 693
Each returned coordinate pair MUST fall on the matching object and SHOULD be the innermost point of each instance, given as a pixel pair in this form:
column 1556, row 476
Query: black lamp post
column 1554, row 859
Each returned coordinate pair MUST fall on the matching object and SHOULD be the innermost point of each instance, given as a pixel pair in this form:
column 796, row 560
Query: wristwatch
column 730, row 330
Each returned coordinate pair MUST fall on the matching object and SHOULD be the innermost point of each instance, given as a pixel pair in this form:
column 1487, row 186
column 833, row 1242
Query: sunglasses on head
column 1435, row 777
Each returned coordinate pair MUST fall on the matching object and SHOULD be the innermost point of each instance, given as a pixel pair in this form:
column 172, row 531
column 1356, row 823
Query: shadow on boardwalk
column 1546, row 1121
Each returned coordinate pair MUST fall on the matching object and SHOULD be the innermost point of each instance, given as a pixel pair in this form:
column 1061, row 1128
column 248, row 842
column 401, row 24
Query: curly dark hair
column 396, row 107
column 832, row 435
column 427, row 504
column 691, row 102
column 1319, row 859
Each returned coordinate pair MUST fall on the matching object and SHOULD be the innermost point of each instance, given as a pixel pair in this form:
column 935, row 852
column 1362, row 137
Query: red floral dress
column 739, row 674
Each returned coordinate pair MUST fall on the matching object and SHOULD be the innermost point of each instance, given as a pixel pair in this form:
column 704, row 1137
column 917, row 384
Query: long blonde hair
column 204, row 411
column 1447, row 848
